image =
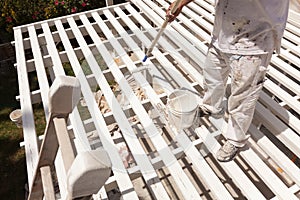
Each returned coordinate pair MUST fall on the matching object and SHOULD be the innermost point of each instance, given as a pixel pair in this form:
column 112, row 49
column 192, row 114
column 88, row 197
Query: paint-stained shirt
column 249, row 27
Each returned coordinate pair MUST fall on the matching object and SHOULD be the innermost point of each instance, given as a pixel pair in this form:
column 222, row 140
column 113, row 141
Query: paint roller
column 172, row 11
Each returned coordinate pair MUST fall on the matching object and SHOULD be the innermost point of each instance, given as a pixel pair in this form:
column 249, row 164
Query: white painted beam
column 29, row 133
column 124, row 183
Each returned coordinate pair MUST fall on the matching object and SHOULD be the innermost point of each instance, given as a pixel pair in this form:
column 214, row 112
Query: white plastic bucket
column 182, row 108
column 16, row 117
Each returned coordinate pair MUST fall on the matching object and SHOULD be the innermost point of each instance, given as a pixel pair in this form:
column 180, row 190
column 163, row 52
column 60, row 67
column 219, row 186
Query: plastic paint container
column 182, row 109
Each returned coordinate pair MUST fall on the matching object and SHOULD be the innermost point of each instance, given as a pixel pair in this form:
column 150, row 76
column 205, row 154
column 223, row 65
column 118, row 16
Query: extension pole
column 173, row 9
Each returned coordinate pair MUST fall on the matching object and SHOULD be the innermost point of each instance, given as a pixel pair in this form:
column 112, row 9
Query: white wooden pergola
column 164, row 164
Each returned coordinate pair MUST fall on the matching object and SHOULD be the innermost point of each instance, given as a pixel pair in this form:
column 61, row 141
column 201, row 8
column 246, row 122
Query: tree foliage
column 19, row 12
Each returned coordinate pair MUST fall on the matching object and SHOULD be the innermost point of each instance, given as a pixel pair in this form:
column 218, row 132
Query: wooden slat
column 193, row 52
column 202, row 168
column 285, row 81
column 294, row 30
column 34, row 95
column 139, row 154
column 278, row 156
column 280, row 92
column 43, row 82
column 188, row 56
column 261, row 169
column 294, row 189
column 231, row 168
column 47, row 155
column 61, row 176
column 285, row 115
column 287, row 98
column 192, row 153
column 58, row 70
column 78, row 129
column 269, row 178
column 290, row 46
column 208, row 5
column 40, row 69
column 179, row 35
column 29, row 133
column 287, row 55
column 167, row 65
column 47, row 183
column 285, row 42
column 124, row 183
column 64, row 142
column 283, row 95
column 186, row 20
column 294, row 18
column 77, row 125
column 170, row 161
column 152, row 69
column 288, row 69
column 278, row 128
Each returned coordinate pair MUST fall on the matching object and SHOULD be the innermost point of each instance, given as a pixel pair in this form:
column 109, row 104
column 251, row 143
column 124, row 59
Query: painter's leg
column 215, row 75
column 248, row 73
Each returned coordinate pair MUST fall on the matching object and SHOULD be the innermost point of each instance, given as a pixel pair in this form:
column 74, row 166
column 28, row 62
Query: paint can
column 182, row 108
column 16, row 117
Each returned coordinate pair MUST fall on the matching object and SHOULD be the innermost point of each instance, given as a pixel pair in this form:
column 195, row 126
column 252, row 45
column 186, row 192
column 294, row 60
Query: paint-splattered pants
column 247, row 76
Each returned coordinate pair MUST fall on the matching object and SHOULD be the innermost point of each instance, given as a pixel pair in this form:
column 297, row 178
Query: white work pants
column 247, row 76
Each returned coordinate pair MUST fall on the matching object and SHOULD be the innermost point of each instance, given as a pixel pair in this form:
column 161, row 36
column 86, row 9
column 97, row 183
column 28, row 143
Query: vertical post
column 64, row 95
column 48, row 188
column 64, row 142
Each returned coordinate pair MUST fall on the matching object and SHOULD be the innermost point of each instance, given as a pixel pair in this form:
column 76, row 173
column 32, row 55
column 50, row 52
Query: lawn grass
column 12, row 157
column 12, row 167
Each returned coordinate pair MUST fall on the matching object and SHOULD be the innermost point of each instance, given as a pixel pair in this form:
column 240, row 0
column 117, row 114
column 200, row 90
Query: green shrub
column 19, row 12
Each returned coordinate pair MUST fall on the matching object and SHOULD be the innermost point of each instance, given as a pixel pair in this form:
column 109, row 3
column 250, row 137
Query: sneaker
column 227, row 152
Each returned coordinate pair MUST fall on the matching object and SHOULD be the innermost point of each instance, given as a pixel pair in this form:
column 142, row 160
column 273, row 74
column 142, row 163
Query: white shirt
column 249, row 27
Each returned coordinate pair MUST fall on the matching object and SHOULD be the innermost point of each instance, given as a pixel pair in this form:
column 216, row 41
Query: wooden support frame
column 182, row 58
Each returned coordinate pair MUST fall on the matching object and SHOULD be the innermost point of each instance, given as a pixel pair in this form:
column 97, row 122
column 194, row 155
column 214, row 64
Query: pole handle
column 173, row 10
